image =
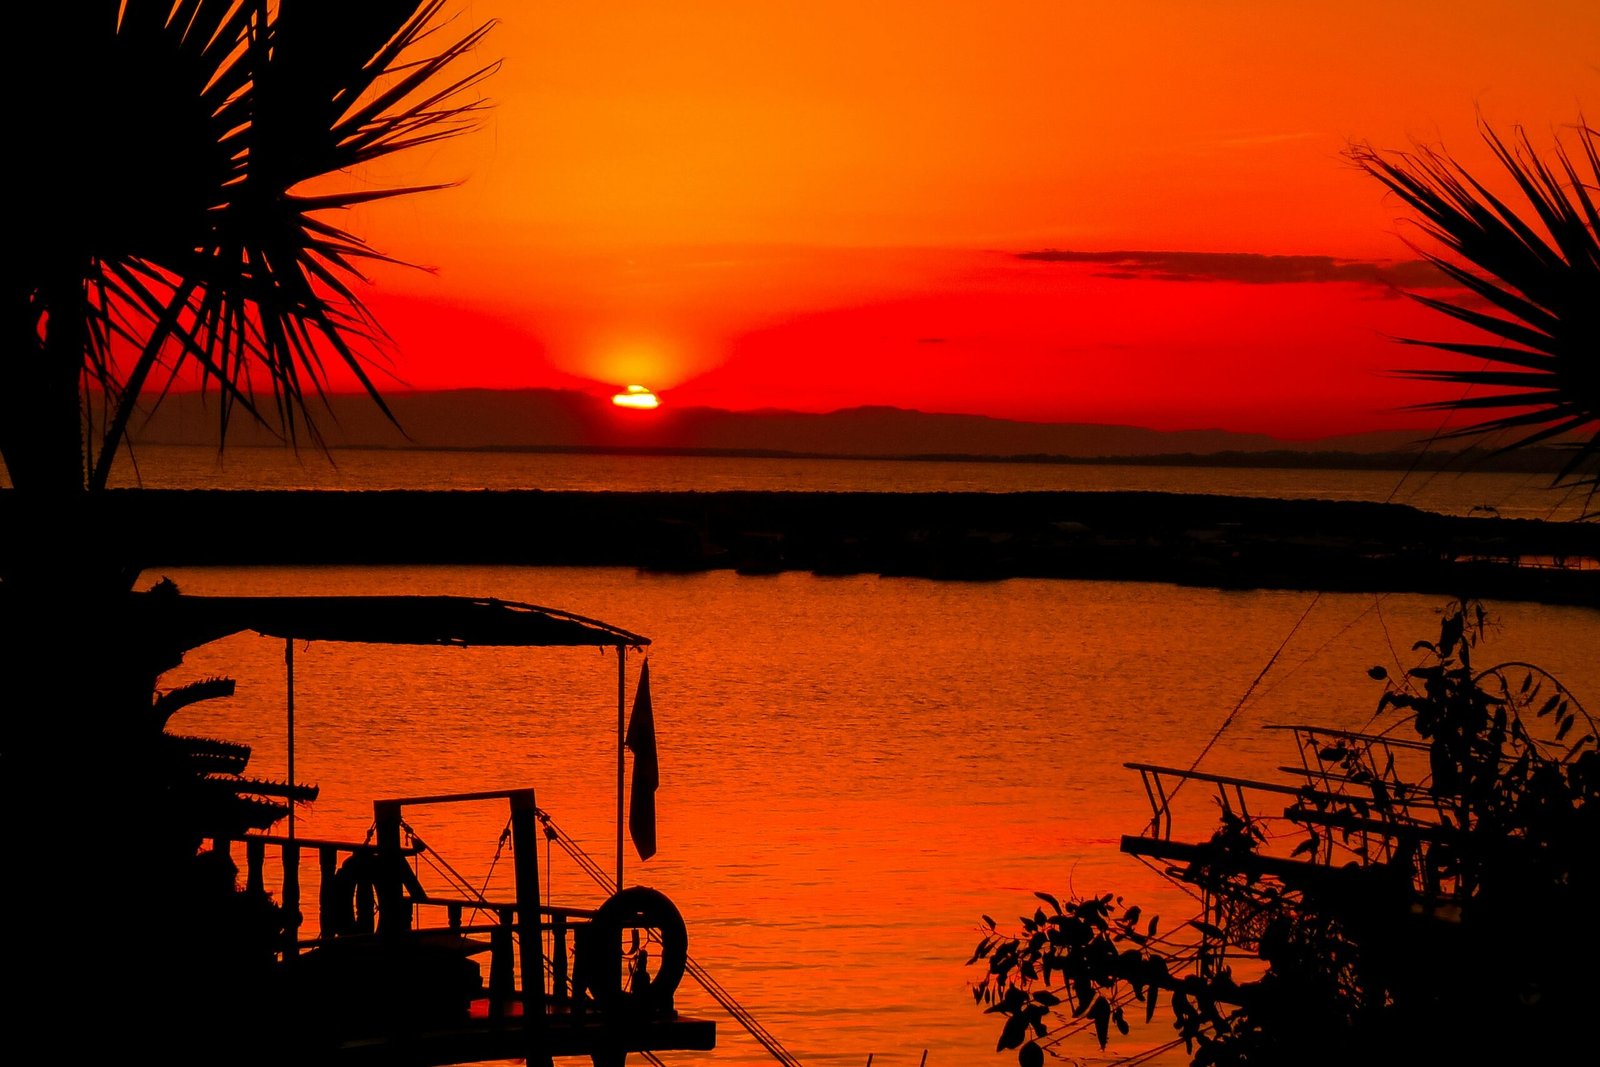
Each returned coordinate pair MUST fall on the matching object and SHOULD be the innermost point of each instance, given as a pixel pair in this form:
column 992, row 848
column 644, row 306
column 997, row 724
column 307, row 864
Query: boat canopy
column 393, row 620
column 192, row 621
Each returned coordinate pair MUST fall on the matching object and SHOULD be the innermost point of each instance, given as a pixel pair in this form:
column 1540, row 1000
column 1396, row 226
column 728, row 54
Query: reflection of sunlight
column 636, row 396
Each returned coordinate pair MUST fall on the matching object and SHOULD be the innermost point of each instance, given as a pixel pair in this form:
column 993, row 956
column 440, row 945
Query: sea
column 853, row 770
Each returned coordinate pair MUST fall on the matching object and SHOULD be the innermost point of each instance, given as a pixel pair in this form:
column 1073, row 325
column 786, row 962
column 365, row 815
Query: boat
column 393, row 966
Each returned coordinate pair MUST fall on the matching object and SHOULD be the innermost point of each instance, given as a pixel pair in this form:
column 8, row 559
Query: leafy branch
column 1425, row 892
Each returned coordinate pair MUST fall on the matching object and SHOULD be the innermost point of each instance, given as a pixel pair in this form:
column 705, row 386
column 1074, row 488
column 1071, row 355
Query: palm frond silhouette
column 189, row 155
column 1531, row 268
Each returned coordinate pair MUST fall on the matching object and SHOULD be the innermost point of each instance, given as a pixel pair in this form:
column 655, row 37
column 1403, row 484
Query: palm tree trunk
column 70, row 652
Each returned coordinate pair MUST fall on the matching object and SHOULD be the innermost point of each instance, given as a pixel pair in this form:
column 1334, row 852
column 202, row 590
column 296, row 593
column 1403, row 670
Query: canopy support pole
column 622, row 696
column 288, row 662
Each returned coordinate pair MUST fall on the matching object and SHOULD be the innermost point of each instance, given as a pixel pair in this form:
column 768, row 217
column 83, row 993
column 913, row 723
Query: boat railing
column 368, row 890
column 291, row 852
column 1336, row 812
column 1161, row 785
column 558, row 929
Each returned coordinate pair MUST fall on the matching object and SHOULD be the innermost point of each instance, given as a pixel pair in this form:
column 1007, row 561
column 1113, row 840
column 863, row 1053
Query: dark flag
column 646, row 773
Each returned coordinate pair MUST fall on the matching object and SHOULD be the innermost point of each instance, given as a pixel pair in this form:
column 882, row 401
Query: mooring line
column 737, row 1011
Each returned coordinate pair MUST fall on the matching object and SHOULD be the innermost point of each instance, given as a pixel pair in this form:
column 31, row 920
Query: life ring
column 348, row 905
column 600, row 952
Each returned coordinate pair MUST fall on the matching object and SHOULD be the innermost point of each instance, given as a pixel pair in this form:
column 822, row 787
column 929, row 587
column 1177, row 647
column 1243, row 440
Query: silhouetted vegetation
column 173, row 227
column 1434, row 905
column 179, row 207
column 1531, row 271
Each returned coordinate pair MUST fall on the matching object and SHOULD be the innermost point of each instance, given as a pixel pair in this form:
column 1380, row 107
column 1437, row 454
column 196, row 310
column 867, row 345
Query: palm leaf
column 181, row 234
column 1536, row 262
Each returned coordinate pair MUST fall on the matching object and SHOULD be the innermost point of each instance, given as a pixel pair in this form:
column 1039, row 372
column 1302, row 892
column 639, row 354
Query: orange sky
column 821, row 205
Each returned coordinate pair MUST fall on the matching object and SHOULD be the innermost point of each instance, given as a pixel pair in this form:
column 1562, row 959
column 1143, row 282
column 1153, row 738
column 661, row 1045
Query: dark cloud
column 1249, row 268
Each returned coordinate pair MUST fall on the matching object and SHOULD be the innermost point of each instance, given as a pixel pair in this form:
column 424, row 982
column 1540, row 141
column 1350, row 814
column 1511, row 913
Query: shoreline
column 1189, row 539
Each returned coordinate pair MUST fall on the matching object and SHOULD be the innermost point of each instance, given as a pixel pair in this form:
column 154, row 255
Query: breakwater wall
column 1245, row 542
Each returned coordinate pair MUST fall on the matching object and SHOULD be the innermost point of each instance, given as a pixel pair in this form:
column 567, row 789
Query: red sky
column 821, row 205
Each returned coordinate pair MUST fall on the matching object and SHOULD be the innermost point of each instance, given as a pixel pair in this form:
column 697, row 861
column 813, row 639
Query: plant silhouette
column 1433, row 907
column 177, row 223
column 1531, row 271
column 181, row 206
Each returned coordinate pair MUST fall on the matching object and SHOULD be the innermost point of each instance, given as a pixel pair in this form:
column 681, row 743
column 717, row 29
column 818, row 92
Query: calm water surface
column 170, row 466
column 853, row 769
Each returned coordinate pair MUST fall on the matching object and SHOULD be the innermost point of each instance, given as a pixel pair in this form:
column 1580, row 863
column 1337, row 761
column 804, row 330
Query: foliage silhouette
column 1434, row 909
column 186, row 164
column 1536, row 265
column 185, row 161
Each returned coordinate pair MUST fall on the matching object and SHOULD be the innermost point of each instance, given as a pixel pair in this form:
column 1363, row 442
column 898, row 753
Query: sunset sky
column 1046, row 211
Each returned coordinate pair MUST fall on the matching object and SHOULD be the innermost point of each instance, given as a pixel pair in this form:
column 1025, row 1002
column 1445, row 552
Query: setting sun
column 638, row 397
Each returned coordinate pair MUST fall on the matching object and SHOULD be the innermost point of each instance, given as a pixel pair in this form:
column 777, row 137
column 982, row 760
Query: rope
column 737, row 1011
column 455, row 877
column 1227, row 722
column 1314, row 653
column 505, row 835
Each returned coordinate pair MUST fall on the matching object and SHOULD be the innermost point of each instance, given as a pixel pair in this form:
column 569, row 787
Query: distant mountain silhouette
column 568, row 419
